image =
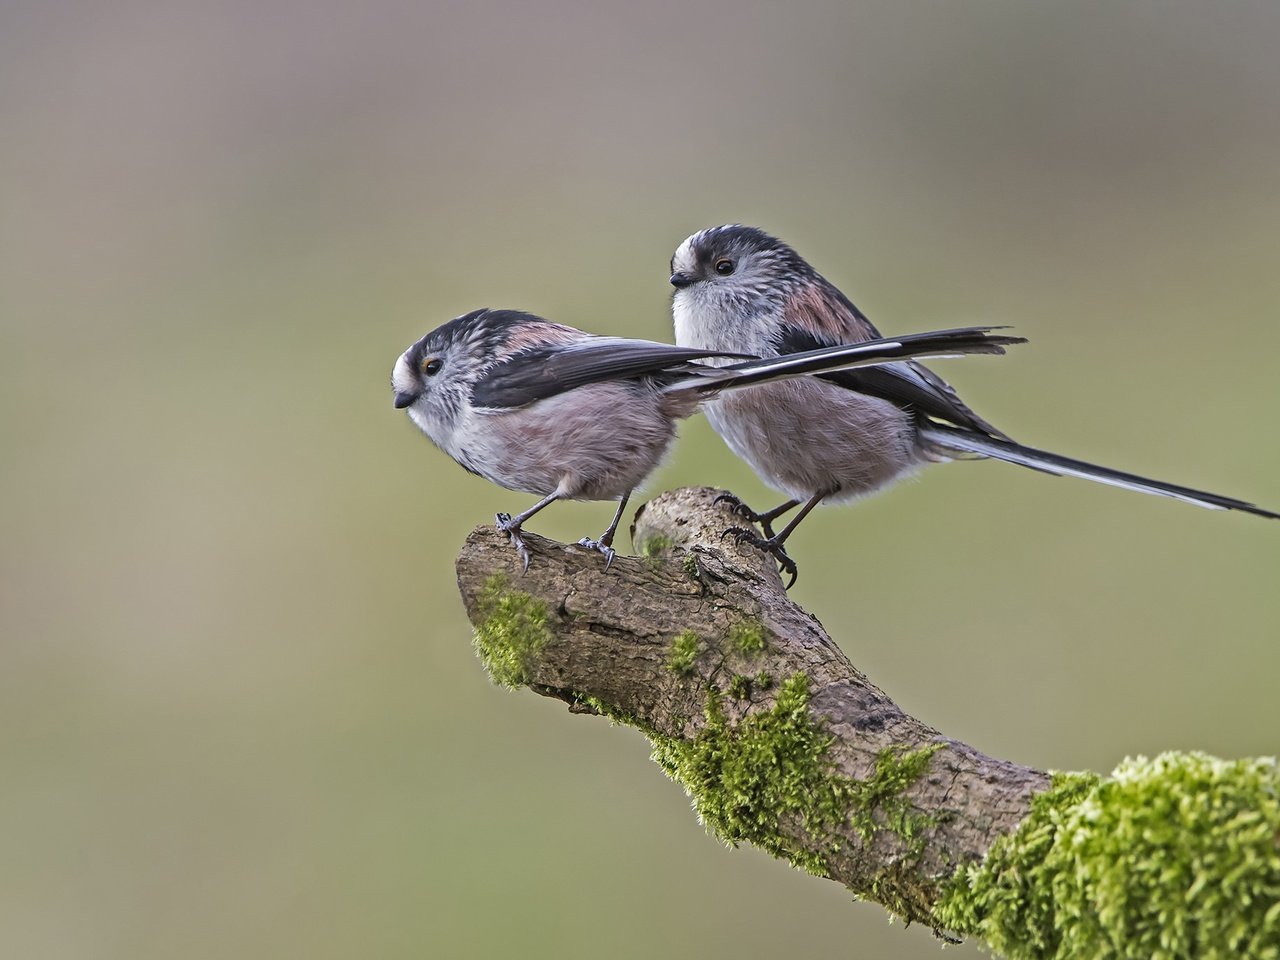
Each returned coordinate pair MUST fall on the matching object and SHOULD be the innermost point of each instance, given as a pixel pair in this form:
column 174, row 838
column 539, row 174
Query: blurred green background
column 239, row 710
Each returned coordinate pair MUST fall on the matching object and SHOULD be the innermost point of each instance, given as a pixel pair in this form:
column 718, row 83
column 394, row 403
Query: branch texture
column 698, row 638
column 782, row 742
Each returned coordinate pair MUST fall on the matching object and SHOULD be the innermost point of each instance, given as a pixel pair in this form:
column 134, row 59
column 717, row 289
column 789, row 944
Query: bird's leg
column 774, row 544
column 740, row 509
column 511, row 526
column 605, row 543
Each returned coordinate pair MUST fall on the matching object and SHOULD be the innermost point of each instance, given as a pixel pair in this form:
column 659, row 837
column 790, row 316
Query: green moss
column 746, row 638
column 654, row 549
column 740, row 687
column 684, row 653
column 1173, row 857
column 763, row 680
column 690, row 564
column 769, row 776
column 511, row 633
column 656, row 545
column 615, row 716
column 881, row 801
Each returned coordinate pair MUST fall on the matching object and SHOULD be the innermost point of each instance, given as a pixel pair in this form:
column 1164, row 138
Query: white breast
column 703, row 322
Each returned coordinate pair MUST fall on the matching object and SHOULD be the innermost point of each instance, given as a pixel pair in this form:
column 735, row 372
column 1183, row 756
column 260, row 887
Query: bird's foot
column 770, row 545
column 506, row 525
column 742, row 511
column 604, row 546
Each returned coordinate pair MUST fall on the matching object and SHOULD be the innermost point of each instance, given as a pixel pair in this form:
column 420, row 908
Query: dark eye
column 432, row 367
column 724, row 266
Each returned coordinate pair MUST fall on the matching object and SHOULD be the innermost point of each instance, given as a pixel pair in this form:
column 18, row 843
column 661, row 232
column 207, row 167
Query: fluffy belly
column 593, row 443
column 806, row 437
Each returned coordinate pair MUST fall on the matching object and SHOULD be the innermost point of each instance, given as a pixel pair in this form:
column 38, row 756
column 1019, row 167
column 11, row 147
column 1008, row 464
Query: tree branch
column 782, row 742
column 925, row 804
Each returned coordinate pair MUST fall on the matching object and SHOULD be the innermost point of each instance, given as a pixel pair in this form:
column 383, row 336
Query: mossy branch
column 780, row 741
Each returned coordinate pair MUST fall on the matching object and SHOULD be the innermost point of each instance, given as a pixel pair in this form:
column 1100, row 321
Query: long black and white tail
column 846, row 356
column 960, row 440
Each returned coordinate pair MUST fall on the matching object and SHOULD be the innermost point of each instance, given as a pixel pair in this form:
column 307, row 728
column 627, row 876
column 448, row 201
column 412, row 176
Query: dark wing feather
column 909, row 385
column 541, row 372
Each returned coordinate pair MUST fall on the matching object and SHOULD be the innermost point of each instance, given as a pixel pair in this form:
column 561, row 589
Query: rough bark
column 609, row 647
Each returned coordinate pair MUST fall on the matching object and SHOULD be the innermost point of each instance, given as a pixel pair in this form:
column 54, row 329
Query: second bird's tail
column 960, row 440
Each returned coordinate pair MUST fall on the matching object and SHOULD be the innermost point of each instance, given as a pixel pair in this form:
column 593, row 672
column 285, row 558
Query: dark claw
column 737, row 507
column 740, row 509
column 600, row 547
column 785, row 563
column 729, row 498
column 770, row 546
column 512, row 530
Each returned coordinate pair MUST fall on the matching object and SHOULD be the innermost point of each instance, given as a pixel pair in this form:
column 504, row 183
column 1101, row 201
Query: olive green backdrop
column 239, row 711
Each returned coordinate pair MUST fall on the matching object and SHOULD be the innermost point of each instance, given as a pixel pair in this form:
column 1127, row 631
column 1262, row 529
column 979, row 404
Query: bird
column 842, row 434
column 550, row 410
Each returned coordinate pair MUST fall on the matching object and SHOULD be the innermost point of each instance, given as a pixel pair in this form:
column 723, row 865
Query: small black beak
column 682, row 280
column 405, row 399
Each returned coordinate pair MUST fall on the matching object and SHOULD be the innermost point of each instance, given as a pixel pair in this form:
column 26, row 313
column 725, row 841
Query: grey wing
column 908, row 384
column 918, row 388
column 545, row 371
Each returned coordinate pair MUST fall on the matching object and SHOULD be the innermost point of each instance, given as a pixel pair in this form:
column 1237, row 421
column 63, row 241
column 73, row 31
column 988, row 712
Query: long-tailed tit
column 843, row 434
column 547, row 409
